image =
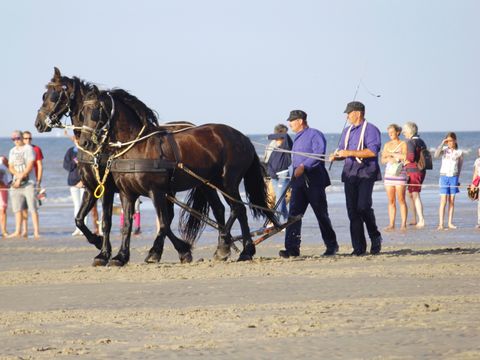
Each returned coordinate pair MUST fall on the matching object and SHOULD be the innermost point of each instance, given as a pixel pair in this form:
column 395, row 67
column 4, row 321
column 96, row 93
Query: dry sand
column 412, row 303
column 418, row 299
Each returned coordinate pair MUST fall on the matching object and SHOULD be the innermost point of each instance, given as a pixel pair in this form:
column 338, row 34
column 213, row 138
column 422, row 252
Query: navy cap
column 354, row 106
column 297, row 114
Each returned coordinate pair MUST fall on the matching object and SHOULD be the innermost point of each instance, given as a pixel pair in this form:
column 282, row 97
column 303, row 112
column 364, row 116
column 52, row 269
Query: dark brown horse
column 215, row 154
column 64, row 97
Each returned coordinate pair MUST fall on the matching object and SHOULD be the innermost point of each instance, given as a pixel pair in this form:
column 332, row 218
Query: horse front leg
column 87, row 204
column 156, row 252
column 106, row 224
column 183, row 248
column 123, row 255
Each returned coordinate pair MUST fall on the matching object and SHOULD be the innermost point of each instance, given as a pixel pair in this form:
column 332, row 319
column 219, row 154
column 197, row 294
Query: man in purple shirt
column 309, row 181
column 359, row 147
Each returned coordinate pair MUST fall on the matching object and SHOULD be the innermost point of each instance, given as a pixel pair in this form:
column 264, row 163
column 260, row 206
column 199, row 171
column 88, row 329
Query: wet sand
column 419, row 299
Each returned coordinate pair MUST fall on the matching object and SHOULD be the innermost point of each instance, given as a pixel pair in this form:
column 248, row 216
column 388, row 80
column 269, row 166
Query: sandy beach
column 418, row 299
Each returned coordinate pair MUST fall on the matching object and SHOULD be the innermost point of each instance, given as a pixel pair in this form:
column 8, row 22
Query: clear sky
column 247, row 63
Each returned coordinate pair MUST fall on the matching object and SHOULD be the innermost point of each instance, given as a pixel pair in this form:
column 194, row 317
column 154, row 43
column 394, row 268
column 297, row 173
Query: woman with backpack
column 452, row 161
column 415, row 173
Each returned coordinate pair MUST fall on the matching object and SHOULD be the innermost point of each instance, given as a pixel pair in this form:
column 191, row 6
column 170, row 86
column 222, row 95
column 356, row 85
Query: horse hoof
column 186, row 258
column 116, row 263
column 99, row 262
column 220, row 257
column 153, row 258
column 245, row 257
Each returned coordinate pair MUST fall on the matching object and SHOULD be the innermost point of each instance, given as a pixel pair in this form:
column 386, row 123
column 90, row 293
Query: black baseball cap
column 297, row 114
column 354, row 106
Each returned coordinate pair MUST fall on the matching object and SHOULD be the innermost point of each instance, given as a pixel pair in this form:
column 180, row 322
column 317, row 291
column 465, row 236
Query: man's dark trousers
column 358, row 194
column 300, row 198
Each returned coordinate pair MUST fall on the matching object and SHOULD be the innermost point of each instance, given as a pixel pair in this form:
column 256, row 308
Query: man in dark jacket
column 278, row 164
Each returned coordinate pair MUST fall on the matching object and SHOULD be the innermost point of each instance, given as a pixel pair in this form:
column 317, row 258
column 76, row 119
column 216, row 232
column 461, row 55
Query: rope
column 206, row 182
column 322, row 157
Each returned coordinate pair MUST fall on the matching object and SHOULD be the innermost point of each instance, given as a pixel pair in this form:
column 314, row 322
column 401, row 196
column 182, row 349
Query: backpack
column 425, row 160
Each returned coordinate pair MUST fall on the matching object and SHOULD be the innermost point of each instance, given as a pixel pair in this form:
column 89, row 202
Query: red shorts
column 415, row 181
column 3, row 198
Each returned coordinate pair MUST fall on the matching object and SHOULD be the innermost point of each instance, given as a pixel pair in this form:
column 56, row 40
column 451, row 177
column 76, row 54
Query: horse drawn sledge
column 127, row 151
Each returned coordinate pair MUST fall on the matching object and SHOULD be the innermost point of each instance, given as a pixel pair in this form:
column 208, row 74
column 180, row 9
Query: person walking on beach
column 38, row 171
column 310, row 178
column 415, row 176
column 360, row 144
column 70, row 163
column 393, row 156
column 278, row 164
column 452, row 161
column 21, row 160
column 475, row 184
column 4, row 183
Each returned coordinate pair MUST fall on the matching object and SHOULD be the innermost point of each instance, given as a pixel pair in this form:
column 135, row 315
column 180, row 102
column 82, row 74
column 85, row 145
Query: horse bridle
column 52, row 119
column 100, row 132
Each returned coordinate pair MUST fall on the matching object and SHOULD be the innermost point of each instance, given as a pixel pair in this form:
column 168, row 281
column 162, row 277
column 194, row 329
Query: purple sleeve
column 373, row 139
column 319, row 145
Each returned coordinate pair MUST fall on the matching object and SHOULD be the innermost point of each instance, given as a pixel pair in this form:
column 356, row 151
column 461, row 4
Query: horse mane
column 84, row 86
column 144, row 113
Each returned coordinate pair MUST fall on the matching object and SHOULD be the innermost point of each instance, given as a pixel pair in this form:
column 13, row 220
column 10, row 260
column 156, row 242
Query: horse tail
column 256, row 190
column 190, row 227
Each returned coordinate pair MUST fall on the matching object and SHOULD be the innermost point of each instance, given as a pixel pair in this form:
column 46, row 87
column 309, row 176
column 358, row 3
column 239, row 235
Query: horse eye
column 44, row 96
column 95, row 114
column 54, row 97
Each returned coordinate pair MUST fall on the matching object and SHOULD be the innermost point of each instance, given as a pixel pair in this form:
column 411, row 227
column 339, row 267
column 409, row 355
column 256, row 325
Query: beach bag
column 425, row 160
column 473, row 193
column 394, row 169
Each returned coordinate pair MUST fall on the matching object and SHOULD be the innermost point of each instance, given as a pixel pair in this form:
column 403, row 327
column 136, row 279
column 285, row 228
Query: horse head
column 97, row 112
column 57, row 102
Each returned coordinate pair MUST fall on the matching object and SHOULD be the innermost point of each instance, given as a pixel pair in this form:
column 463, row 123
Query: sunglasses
column 26, row 138
column 16, row 138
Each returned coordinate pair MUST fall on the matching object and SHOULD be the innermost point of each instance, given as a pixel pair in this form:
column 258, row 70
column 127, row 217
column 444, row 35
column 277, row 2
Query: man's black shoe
column 358, row 253
column 331, row 251
column 376, row 246
column 289, row 253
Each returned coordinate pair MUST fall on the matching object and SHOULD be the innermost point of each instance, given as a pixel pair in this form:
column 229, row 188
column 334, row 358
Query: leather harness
column 136, row 165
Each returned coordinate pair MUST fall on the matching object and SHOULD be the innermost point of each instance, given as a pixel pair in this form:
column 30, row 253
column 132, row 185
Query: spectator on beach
column 310, row 178
column 476, row 184
column 70, row 163
column 38, row 171
column 4, row 184
column 21, row 161
column 452, row 161
column 415, row 176
column 393, row 156
column 278, row 164
column 360, row 144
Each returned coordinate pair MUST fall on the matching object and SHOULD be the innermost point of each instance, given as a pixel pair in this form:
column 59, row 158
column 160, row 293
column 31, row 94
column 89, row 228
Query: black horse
column 64, row 96
column 212, row 154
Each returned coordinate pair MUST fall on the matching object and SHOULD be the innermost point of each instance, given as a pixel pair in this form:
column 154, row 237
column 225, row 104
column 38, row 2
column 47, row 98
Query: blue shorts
column 448, row 185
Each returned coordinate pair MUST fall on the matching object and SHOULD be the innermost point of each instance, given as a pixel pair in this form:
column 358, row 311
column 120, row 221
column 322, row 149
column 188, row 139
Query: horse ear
column 56, row 73
column 95, row 90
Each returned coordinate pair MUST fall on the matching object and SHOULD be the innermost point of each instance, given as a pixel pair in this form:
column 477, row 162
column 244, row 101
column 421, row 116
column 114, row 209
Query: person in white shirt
column 452, row 161
column 20, row 163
